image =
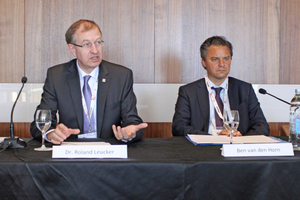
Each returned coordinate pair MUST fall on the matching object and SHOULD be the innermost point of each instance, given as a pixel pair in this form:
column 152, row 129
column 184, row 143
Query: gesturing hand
column 61, row 133
column 128, row 132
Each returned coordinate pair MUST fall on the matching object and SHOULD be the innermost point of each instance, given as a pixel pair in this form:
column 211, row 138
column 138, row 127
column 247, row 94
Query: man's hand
column 128, row 132
column 61, row 133
column 227, row 133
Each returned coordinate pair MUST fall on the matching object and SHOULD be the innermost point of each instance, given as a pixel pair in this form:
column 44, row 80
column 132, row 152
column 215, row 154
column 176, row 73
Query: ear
column 203, row 63
column 72, row 49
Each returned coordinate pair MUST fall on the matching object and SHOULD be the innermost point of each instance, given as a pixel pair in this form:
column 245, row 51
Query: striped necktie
column 219, row 121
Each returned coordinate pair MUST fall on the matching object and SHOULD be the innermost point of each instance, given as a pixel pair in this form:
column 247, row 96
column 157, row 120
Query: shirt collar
column 93, row 74
column 223, row 85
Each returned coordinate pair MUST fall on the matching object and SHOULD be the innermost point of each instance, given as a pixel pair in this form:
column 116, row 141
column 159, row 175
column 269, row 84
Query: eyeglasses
column 88, row 45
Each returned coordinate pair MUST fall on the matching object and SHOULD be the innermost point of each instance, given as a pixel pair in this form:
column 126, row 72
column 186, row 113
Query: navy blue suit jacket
column 192, row 109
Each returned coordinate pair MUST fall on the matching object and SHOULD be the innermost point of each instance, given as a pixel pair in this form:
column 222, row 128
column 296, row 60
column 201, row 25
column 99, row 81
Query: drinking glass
column 43, row 122
column 231, row 121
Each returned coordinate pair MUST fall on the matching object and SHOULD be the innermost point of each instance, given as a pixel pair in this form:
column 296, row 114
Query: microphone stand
column 14, row 142
column 263, row 91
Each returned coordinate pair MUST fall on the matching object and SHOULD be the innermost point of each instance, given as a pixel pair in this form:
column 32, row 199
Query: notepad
column 223, row 139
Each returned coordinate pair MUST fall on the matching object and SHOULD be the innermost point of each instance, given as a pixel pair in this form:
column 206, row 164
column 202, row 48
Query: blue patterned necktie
column 87, row 93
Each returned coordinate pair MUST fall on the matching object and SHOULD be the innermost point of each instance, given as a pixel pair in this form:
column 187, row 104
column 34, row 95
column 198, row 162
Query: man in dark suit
column 109, row 110
column 198, row 110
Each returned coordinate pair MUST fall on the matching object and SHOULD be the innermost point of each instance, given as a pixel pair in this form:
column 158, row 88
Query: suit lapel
column 233, row 94
column 203, row 102
column 74, row 86
column 103, row 85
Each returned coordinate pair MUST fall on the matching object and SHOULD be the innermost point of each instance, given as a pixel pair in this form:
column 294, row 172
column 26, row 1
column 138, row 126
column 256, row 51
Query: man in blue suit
column 198, row 110
column 93, row 98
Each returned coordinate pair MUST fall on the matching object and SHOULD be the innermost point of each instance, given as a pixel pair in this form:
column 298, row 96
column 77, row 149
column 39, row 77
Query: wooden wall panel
column 289, row 42
column 127, row 28
column 179, row 27
column 11, row 41
column 128, row 33
column 158, row 130
column 158, row 39
column 154, row 130
column 21, row 130
column 251, row 26
column 46, row 23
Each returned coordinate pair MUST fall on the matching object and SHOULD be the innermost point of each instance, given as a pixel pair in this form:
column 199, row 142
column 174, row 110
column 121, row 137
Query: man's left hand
column 227, row 133
column 127, row 133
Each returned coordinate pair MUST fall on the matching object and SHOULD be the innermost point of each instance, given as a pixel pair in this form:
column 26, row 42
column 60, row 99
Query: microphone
column 263, row 91
column 14, row 142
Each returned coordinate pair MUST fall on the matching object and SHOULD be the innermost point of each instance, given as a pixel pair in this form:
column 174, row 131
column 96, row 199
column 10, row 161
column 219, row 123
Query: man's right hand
column 61, row 133
column 227, row 133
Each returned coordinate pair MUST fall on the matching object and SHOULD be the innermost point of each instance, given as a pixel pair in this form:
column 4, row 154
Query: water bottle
column 294, row 137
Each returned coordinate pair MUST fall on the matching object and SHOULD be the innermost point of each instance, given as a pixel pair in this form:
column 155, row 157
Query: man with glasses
column 94, row 98
column 200, row 105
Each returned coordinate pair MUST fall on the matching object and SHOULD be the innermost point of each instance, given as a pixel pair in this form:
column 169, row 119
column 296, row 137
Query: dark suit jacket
column 116, row 102
column 192, row 109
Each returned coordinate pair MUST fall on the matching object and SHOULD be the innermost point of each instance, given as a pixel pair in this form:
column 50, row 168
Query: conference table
column 156, row 168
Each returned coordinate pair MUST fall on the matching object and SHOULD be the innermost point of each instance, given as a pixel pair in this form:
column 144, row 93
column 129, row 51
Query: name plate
column 267, row 149
column 89, row 151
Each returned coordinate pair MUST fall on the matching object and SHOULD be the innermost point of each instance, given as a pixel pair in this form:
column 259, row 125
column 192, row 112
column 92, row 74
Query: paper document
column 223, row 139
column 83, row 143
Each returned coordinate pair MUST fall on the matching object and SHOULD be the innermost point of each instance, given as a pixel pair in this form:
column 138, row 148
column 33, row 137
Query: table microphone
column 14, row 142
column 263, row 91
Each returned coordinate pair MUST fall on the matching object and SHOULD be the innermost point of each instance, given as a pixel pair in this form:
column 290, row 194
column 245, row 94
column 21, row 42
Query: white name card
column 89, row 151
column 267, row 149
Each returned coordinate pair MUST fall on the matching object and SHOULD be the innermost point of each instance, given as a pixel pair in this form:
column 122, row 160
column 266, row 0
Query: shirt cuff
column 47, row 134
column 126, row 140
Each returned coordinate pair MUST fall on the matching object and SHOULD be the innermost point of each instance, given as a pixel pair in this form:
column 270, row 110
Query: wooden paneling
column 154, row 130
column 158, row 39
column 11, row 41
column 21, row 130
column 128, row 33
column 46, row 23
column 289, row 42
column 285, row 129
column 163, row 130
column 276, row 129
column 127, row 28
column 251, row 26
column 158, row 130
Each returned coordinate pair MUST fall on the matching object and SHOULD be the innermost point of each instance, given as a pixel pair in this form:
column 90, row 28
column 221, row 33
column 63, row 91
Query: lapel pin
column 103, row 80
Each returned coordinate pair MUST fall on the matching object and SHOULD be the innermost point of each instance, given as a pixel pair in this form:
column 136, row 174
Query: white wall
column 156, row 102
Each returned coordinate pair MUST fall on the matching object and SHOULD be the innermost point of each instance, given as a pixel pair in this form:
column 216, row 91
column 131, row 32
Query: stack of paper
column 223, row 139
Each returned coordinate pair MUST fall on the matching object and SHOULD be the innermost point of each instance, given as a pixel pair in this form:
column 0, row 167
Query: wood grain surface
column 12, row 52
column 154, row 130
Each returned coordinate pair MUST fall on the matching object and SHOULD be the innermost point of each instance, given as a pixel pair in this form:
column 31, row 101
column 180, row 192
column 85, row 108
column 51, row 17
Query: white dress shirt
column 211, row 126
column 93, row 85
